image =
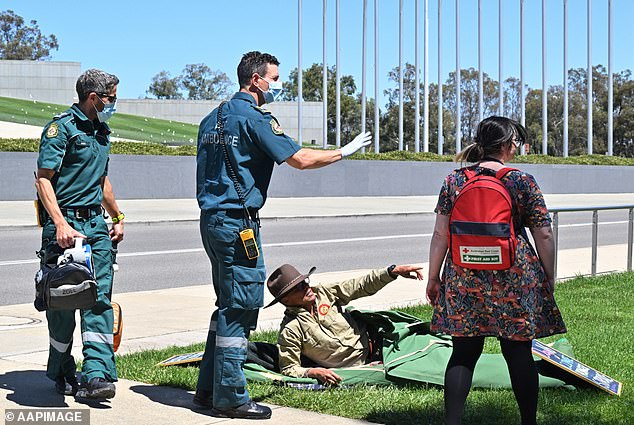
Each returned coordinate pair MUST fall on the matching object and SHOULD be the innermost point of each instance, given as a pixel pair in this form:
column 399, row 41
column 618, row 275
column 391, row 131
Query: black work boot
column 97, row 388
column 66, row 385
column 249, row 410
column 204, row 398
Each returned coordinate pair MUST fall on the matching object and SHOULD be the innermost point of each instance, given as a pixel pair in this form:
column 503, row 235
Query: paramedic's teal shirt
column 254, row 142
column 77, row 150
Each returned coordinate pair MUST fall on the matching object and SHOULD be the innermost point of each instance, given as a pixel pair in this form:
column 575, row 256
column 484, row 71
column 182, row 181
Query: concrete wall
column 193, row 111
column 52, row 82
column 142, row 177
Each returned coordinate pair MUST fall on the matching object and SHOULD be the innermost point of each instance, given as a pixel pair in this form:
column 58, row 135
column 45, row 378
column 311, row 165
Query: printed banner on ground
column 577, row 368
column 180, row 359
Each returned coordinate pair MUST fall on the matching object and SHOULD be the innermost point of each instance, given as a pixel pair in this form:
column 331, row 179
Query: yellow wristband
column 118, row 218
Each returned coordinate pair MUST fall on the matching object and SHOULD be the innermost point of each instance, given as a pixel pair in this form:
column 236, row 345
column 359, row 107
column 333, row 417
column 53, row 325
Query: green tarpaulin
column 410, row 355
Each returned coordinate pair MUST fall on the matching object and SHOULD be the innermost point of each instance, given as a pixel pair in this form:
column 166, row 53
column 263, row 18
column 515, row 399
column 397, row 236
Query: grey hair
column 95, row 80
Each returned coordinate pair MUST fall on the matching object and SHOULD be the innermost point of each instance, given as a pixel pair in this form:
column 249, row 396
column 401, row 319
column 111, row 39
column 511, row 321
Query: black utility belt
column 239, row 213
column 83, row 212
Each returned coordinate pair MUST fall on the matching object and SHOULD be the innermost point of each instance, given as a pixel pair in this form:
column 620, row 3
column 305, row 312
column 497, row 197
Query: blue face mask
column 274, row 92
column 108, row 111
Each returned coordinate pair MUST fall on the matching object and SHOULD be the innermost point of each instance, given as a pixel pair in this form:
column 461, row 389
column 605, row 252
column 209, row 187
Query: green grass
column 600, row 322
column 123, row 126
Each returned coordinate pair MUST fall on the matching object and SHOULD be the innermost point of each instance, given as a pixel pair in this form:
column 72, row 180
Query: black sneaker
column 249, row 410
column 97, row 388
column 204, row 399
column 66, row 385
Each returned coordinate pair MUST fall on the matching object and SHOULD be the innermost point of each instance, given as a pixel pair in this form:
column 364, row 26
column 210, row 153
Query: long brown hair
column 492, row 134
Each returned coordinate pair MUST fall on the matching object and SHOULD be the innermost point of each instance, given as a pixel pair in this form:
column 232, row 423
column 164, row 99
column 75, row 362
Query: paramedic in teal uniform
column 254, row 142
column 72, row 183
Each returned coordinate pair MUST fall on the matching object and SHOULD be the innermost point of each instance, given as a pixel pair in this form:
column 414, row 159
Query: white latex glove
column 361, row 141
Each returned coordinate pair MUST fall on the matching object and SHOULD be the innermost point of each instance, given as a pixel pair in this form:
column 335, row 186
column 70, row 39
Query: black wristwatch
column 390, row 269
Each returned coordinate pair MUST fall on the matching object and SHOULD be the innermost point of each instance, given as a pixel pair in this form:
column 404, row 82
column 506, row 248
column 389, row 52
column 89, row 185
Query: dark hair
column 254, row 63
column 492, row 134
column 94, row 80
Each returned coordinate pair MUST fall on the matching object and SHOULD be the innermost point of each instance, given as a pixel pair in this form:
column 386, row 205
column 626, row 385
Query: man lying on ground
column 315, row 329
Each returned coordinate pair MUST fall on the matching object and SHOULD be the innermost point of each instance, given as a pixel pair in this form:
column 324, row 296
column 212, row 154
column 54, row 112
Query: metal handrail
column 595, row 230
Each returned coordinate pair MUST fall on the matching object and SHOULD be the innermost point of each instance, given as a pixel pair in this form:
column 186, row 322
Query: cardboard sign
column 181, row 359
column 577, row 368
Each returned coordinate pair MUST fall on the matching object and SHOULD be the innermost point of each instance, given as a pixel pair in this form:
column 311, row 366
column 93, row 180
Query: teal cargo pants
column 239, row 287
column 96, row 323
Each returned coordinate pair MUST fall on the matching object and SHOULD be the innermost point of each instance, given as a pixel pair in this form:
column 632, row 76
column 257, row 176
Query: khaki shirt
column 330, row 337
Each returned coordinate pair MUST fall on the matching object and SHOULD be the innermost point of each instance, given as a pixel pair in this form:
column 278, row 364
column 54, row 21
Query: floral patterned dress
column 512, row 304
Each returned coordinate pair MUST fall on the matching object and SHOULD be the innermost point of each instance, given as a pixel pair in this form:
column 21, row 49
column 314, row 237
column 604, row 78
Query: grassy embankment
column 123, row 126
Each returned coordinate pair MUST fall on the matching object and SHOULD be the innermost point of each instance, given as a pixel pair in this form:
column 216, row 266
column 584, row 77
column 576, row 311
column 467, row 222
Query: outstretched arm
column 313, row 158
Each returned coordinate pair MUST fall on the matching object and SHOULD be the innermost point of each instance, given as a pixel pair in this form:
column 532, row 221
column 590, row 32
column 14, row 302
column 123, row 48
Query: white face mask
column 274, row 92
column 108, row 111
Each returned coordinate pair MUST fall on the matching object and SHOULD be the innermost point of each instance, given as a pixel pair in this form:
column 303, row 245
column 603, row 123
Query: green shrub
column 147, row 148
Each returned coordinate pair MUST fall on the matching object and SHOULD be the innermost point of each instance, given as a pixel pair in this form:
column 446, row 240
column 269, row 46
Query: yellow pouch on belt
column 40, row 212
column 117, row 329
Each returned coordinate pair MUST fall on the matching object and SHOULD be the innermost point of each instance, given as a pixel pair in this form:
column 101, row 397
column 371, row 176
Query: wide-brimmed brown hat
column 283, row 280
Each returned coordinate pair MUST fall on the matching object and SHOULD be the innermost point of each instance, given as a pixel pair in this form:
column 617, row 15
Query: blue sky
column 138, row 39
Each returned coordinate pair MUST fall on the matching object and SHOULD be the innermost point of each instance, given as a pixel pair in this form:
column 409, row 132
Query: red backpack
column 481, row 231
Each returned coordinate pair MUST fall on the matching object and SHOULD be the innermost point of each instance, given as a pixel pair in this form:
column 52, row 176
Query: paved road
column 164, row 255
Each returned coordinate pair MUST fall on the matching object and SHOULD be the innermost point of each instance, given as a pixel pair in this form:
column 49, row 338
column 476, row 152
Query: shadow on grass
column 490, row 415
column 582, row 410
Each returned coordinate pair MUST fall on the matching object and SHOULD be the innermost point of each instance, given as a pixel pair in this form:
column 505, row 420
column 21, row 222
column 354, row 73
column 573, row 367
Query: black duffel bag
column 67, row 286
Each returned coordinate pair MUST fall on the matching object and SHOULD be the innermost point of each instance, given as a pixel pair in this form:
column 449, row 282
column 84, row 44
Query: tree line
column 623, row 108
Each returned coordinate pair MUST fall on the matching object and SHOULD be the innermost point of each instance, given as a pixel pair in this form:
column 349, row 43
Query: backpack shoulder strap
column 504, row 171
column 469, row 173
column 501, row 173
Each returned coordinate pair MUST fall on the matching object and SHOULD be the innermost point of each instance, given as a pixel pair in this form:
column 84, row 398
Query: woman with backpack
column 495, row 285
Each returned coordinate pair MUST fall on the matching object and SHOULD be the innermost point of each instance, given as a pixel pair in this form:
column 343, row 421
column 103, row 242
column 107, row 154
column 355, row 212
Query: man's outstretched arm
column 306, row 158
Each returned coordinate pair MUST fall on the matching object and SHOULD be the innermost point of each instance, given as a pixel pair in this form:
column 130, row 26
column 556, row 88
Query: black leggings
column 459, row 373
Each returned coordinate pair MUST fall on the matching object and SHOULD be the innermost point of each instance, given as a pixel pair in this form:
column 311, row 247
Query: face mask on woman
column 108, row 110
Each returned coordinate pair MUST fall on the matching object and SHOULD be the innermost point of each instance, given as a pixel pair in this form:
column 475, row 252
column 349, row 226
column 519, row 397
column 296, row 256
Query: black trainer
column 204, row 399
column 97, row 388
column 66, row 385
column 249, row 410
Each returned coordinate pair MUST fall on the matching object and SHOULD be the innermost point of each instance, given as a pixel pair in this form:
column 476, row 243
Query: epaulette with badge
column 53, row 129
column 261, row 110
column 275, row 125
column 62, row 115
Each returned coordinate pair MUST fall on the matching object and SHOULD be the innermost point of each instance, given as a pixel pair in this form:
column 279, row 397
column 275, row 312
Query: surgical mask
column 108, row 111
column 274, row 92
